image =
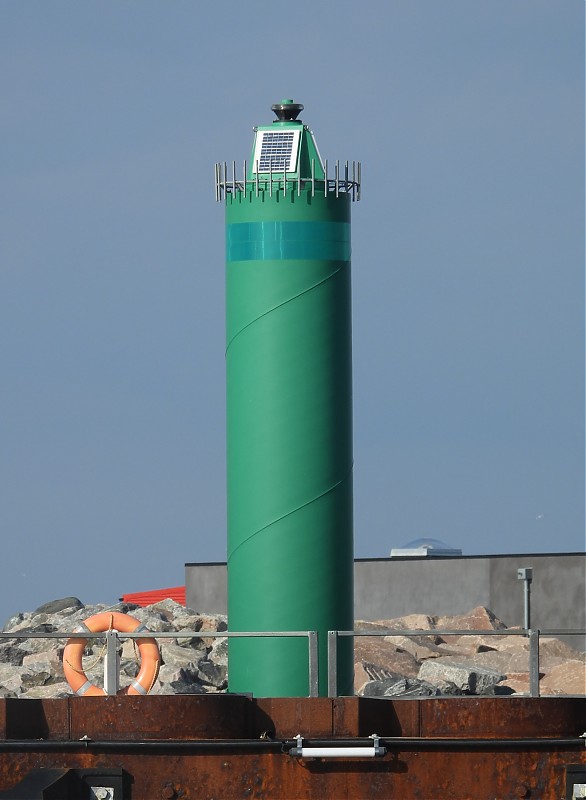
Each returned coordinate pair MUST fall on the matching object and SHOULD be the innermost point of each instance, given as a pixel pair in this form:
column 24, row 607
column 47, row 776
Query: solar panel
column 276, row 151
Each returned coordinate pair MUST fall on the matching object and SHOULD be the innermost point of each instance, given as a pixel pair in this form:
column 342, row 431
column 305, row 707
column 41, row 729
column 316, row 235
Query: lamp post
column 526, row 574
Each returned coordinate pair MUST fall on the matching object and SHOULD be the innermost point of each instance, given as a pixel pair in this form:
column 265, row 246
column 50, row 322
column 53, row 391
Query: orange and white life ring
column 107, row 621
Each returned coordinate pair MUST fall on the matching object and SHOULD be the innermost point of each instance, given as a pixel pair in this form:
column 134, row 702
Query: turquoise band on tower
column 291, row 240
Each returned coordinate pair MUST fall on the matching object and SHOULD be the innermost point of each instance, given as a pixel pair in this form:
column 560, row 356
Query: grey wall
column 385, row 588
column 206, row 587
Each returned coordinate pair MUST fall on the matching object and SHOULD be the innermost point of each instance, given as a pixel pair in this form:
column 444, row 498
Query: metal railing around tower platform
column 346, row 179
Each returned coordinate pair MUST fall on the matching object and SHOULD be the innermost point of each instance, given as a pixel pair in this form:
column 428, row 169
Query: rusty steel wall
column 224, row 746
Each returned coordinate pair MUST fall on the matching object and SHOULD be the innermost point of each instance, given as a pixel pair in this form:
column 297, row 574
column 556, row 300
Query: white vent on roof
column 420, row 548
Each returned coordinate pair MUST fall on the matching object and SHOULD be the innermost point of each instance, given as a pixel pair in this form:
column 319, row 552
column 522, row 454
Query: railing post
column 332, row 663
column 312, row 642
column 111, row 664
column 534, row 663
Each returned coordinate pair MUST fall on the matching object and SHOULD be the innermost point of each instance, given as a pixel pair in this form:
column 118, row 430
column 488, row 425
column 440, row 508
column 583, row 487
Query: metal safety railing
column 532, row 634
column 345, row 179
column 113, row 638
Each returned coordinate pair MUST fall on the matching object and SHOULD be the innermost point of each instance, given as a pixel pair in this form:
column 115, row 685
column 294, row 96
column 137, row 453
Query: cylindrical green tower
column 289, row 408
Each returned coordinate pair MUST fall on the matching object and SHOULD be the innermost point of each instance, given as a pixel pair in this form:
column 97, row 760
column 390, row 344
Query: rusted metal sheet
column 501, row 717
column 285, row 717
column 209, row 747
column 362, row 716
column 211, row 716
column 404, row 775
column 34, row 719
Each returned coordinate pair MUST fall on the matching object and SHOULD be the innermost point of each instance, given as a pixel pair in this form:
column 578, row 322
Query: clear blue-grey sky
column 468, row 272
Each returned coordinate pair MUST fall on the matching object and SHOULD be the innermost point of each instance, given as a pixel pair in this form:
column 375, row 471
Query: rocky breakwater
column 432, row 664
column 33, row 667
column 397, row 665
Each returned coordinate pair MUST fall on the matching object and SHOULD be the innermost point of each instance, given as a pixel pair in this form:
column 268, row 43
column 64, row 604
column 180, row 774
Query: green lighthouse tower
column 289, row 407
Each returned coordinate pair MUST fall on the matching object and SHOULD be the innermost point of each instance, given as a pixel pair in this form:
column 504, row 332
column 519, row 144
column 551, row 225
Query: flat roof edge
column 485, row 555
column 428, row 557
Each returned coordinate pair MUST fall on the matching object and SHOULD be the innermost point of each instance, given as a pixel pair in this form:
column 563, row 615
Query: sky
column 468, row 273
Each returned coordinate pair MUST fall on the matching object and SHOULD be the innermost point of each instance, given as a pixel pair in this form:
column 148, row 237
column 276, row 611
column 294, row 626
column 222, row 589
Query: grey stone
column 398, row 686
column 51, row 661
column 418, row 646
column 8, row 675
column 385, row 656
column 187, row 620
column 180, row 687
column 168, row 608
column 15, row 619
column 194, row 643
column 156, row 621
column 177, row 680
column 451, row 690
column 480, row 618
column 470, row 679
column 169, row 674
column 410, row 687
column 11, row 653
column 48, row 691
column 26, row 622
column 497, row 689
column 219, row 652
column 212, row 674
column 20, row 680
column 56, row 606
column 34, row 677
column 129, row 667
column 179, row 656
